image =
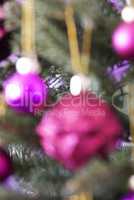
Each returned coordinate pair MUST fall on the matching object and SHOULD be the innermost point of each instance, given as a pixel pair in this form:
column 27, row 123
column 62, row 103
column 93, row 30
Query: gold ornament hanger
column 130, row 2
column 81, row 196
column 80, row 63
column 28, row 28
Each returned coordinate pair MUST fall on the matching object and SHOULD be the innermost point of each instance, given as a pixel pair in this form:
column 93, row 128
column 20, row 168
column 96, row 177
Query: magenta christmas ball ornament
column 3, row 32
column 123, row 40
column 25, row 93
column 79, row 128
column 129, row 196
column 6, row 168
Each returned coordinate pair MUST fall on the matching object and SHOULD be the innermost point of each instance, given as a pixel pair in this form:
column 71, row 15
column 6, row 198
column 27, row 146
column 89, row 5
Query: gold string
column 86, row 48
column 2, row 105
column 81, row 196
column 73, row 40
column 130, row 2
column 80, row 63
column 28, row 28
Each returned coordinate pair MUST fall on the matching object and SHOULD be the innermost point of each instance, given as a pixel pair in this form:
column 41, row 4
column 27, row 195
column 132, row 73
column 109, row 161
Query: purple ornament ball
column 123, row 40
column 6, row 168
column 25, row 93
column 129, row 196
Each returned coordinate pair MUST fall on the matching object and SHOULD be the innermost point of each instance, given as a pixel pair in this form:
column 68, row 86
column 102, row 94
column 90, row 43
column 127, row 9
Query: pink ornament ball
column 2, row 13
column 129, row 196
column 3, row 32
column 6, row 168
column 79, row 128
column 123, row 40
column 25, row 93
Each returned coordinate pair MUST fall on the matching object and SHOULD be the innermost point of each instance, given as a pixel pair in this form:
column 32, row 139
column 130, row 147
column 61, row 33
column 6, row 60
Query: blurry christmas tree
column 35, row 174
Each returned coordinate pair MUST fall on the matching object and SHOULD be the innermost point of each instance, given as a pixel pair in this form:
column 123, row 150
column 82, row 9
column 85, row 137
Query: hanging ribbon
column 80, row 63
column 81, row 196
column 28, row 28
column 2, row 106
column 72, row 37
column 130, row 2
column 86, row 47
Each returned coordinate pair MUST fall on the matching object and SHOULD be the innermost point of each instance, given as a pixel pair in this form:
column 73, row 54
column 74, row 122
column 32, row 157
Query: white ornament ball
column 127, row 14
column 25, row 65
column 79, row 83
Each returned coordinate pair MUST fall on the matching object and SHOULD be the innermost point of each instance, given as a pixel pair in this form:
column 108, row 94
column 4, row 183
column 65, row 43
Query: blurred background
column 66, row 99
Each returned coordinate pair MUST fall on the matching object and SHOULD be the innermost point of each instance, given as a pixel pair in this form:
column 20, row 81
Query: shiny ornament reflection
column 79, row 128
column 25, row 93
column 123, row 40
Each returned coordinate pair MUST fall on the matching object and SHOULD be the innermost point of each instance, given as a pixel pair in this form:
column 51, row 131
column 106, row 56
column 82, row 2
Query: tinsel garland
column 118, row 71
column 116, row 4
